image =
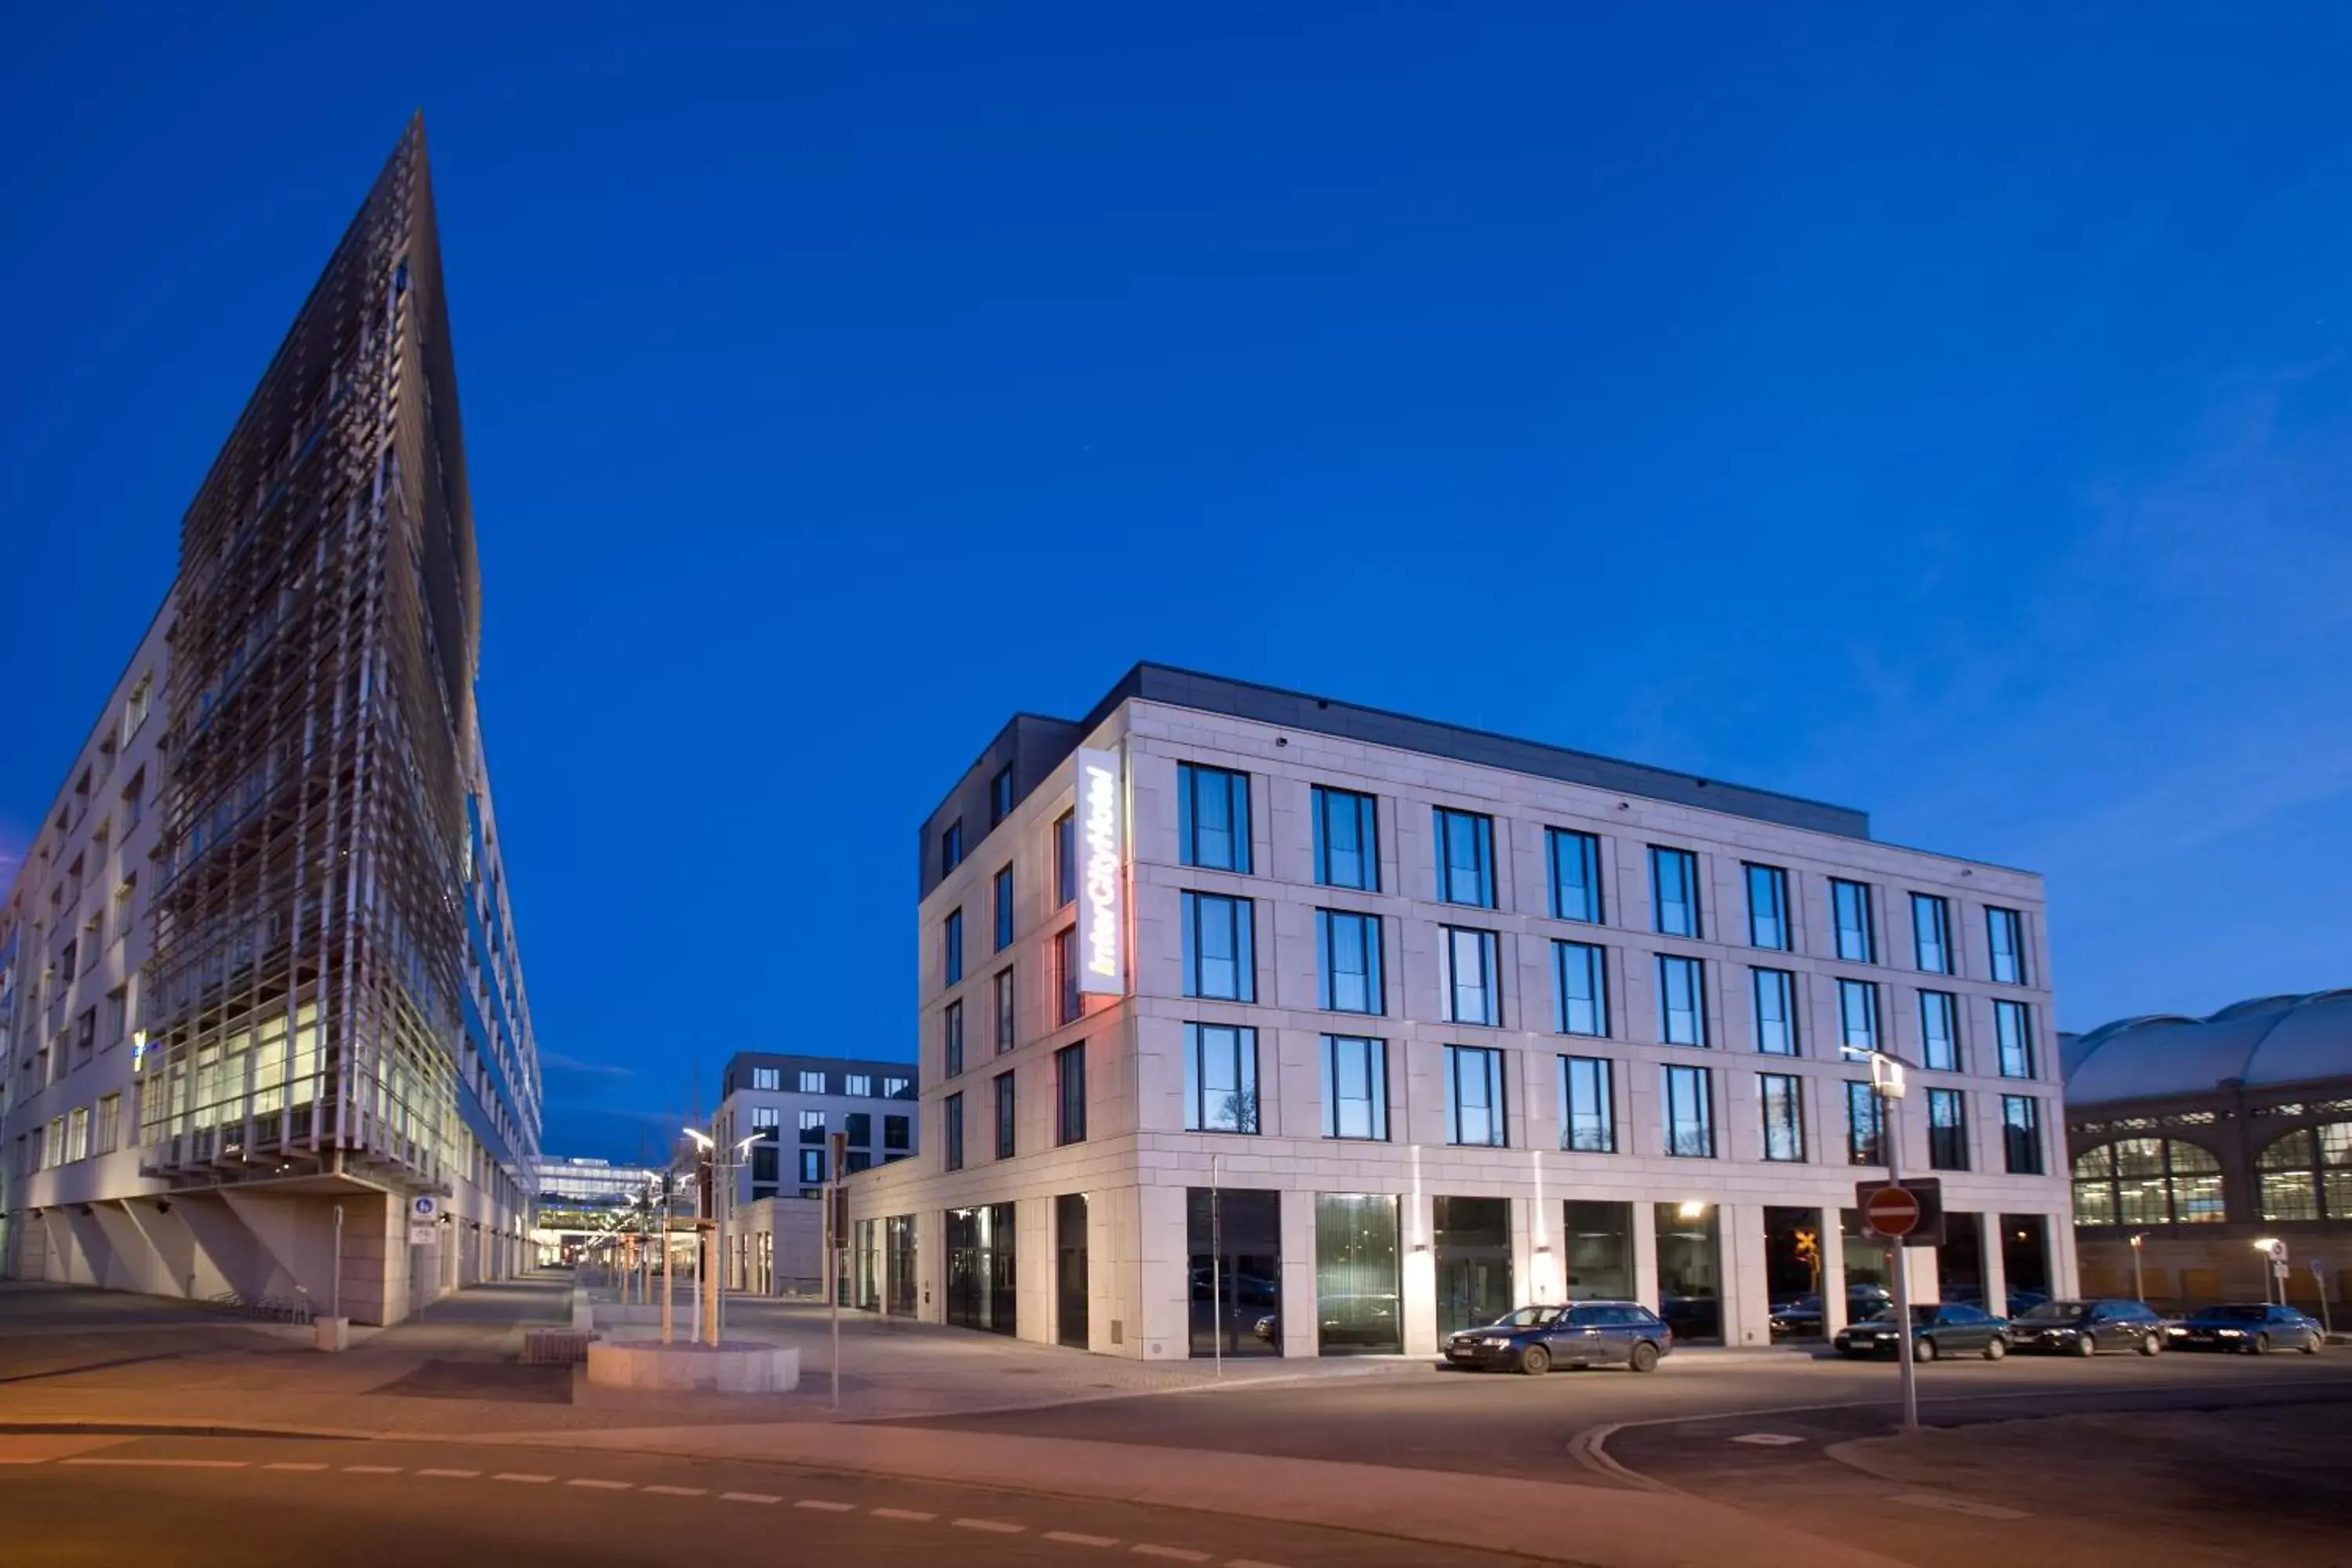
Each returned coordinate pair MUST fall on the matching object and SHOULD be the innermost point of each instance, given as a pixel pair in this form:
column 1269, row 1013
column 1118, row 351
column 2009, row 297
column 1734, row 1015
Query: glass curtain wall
column 1690, row 1272
column 1600, row 1241
column 1358, row 1304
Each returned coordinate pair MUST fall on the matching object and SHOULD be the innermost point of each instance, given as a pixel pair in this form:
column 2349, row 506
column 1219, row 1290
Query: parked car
column 1534, row 1339
column 1945, row 1327
column 2087, row 1328
column 2254, row 1328
column 1803, row 1314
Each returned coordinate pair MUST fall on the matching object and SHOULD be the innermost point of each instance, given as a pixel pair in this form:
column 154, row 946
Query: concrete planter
column 730, row 1367
column 331, row 1333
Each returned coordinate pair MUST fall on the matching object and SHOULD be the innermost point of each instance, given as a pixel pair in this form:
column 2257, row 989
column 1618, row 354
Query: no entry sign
column 1911, row 1213
column 1891, row 1210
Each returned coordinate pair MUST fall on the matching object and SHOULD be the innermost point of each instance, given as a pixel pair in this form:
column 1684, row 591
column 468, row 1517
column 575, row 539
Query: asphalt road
column 71, row 1500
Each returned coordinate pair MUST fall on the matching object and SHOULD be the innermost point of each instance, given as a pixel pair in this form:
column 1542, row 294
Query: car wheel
column 1644, row 1357
column 2086, row 1346
column 1923, row 1350
column 1534, row 1361
column 2262, row 1345
column 2150, row 1344
column 2311, row 1343
column 1996, row 1348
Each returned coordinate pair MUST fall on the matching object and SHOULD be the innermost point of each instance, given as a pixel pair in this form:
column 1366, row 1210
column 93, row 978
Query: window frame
column 1004, row 1001
column 1676, row 962
column 1000, row 896
column 1998, row 918
column 1947, row 1129
column 1489, row 946
column 1783, row 981
column 1865, row 1148
column 1790, row 1088
column 1190, row 778
column 952, row 1132
column 1671, row 1075
column 1241, row 924
column 1594, row 958
column 1324, row 802
column 2024, row 1054
column 951, row 1040
column 1587, row 852
column 2026, row 1134
column 1373, row 1052
column 1007, row 1110
column 1867, row 990
column 1244, row 1096
column 1940, row 907
column 1070, row 1094
column 1863, row 895
column 1945, row 1005
column 1775, row 878
column 1604, row 1074
column 1065, row 859
column 1489, row 1072
column 1482, row 836
column 1326, row 975
column 952, row 947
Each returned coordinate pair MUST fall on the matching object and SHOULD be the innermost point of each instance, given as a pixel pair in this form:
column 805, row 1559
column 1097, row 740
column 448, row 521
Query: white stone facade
column 1137, row 1161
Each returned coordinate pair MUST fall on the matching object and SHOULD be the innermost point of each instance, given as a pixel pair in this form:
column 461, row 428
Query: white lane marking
column 1249, row 1562
column 1959, row 1505
column 371, row 1470
column 592, row 1483
column 1174, row 1554
column 994, row 1526
column 163, row 1464
column 42, row 1461
column 747, row 1497
column 293, row 1465
column 675, row 1491
column 522, row 1476
column 1768, row 1439
column 1074, row 1537
column 917, row 1515
column 827, row 1505
column 452, row 1475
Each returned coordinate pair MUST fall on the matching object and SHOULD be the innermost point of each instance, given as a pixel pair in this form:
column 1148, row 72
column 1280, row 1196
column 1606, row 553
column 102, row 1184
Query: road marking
column 917, row 1515
column 675, row 1491
column 163, row 1464
column 449, row 1475
column 6, row 1460
column 522, row 1476
column 747, row 1497
column 994, row 1526
column 827, row 1505
column 1768, row 1439
column 1249, row 1562
column 595, row 1485
column 1959, row 1505
column 371, row 1470
column 1071, row 1537
column 1174, row 1554
column 299, row 1465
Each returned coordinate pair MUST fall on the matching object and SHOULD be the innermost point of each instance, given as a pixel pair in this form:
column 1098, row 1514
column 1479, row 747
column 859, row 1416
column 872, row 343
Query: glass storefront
column 1690, row 1272
column 2025, row 1258
column 898, row 1255
column 1473, row 1262
column 1960, row 1261
column 1866, row 1261
column 1600, row 1241
column 1233, row 1236
column 1357, row 1305
column 867, row 1265
column 1792, row 1250
column 1070, row 1269
column 981, row 1269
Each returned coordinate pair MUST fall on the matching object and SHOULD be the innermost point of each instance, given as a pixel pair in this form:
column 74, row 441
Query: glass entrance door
column 1070, row 1269
column 1473, row 1262
column 1235, row 1239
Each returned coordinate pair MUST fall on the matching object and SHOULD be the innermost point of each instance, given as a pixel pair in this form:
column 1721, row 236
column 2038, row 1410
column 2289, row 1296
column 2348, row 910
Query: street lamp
column 719, row 1205
column 2274, row 1250
column 2139, row 1290
column 1887, row 1081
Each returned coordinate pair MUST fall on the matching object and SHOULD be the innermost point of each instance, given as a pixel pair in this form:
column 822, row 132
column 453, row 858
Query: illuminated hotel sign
column 1101, row 805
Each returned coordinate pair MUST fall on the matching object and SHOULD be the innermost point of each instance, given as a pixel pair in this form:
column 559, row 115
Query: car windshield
column 1529, row 1318
column 2053, row 1312
column 2235, row 1314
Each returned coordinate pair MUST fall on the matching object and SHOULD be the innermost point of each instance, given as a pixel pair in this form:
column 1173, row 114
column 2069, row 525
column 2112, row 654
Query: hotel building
column 264, row 1014
column 1256, row 1023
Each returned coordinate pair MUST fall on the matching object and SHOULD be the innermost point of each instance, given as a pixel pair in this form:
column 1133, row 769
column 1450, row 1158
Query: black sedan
column 1534, row 1339
column 2087, row 1328
column 1948, row 1328
column 1801, row 1315
column 2251, row 1328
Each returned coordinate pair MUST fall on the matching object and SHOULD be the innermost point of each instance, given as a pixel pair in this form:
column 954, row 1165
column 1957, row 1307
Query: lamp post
column 1887, row 1081
column 714, row 1314
column 2274, row 1252
column 2139, row 1290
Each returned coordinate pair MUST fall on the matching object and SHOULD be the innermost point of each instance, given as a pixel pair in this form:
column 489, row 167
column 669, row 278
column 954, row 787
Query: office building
column 790, row 1106
column 1257, row 1023
column 263, row 981
column 2204, row 1137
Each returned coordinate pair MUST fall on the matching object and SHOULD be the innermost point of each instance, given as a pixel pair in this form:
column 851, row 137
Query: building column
column 1523, row 1253
column 1833, row 1272
column 1996, row 1267
column 1645, row 1254
column 1300, row 1306
column 2064, row 1281
column 1416, row 1224
column 1747, row 1289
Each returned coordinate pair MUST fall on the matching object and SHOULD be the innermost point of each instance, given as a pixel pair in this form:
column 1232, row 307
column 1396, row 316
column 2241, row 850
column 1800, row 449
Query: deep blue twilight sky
column 1949, row 415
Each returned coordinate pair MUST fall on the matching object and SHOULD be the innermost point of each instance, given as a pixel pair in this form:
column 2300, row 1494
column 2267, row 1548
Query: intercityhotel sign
column 1102, row 811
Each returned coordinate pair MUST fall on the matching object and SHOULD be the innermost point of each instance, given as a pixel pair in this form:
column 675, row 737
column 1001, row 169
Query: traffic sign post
column 424, row 1221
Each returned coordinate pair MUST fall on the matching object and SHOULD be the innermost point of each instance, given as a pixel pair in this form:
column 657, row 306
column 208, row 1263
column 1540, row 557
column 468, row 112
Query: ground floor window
column 980, row 1292
column 1233, row 1237
column 1070, row 1268
column 1473, row 1242
column 898, row 1252
column 2025, row 1255
column 1358, row 1304
column 1690, row 1270
column 1793, row 1259
column 867, row 1266
column 1598, row 1238
column 1865, row 1255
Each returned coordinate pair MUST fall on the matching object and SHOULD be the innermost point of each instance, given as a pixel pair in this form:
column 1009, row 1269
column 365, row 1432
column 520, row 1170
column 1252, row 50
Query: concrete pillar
column 1833, row 1272
column 1032, row 1226
column 1747, row 1290
column 1301, row 1309
column 1645, row 1254
column 1416, row 1223
column 1164, row 1273
column 1523, row 1251
column 1996, row 1267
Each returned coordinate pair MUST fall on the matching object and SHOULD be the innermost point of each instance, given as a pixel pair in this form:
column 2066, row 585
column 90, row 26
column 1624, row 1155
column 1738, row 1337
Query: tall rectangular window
column 1004, row 1010
column 1347, row 962
column 1213, row 817
column 1004, row 1116
column 1575, row 875
column 1768, row 907
column 1939, row 1031
column 812, row 1165
column 1583, row 988
column 1002, row 893
column 2021, row 1135
column 1857, row 942
column 1070, row 1094
column 897, row 1133
column 1355, row 1087
column 2005, row 936
column 1866, row 1125
column 1466, row 858
column 2012, row 1029
column 1347, row 839
column 1588, row 1107
column 773, row 1077
column 1065, row 859
column 1858, row 1015
column 1687, row 1107
column 1931, row 933
column 77, row 1133
column 1000, row 795
column 1474, row 1097
column 812, row 1126
column 951, row 1038
column 952, row 947
column 1220, row 1078
column 1065, row 976
column 1682, row 1004
column 1219, row 961
column 810, row 1080
column 1781, row 1101
column 951, row 846
column 1947, row 1129
column 110, row 1124
column 1473, row 977
column 1674, row 891
column 951, row 1112
column 1775, row 1012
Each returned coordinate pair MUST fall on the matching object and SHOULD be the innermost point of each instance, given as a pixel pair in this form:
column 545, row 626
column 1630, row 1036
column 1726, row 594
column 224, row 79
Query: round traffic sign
column 1891, row 1210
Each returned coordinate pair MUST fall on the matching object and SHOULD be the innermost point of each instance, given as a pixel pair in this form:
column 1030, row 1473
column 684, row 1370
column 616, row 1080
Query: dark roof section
column 1033, row 746
column 737, row 1075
